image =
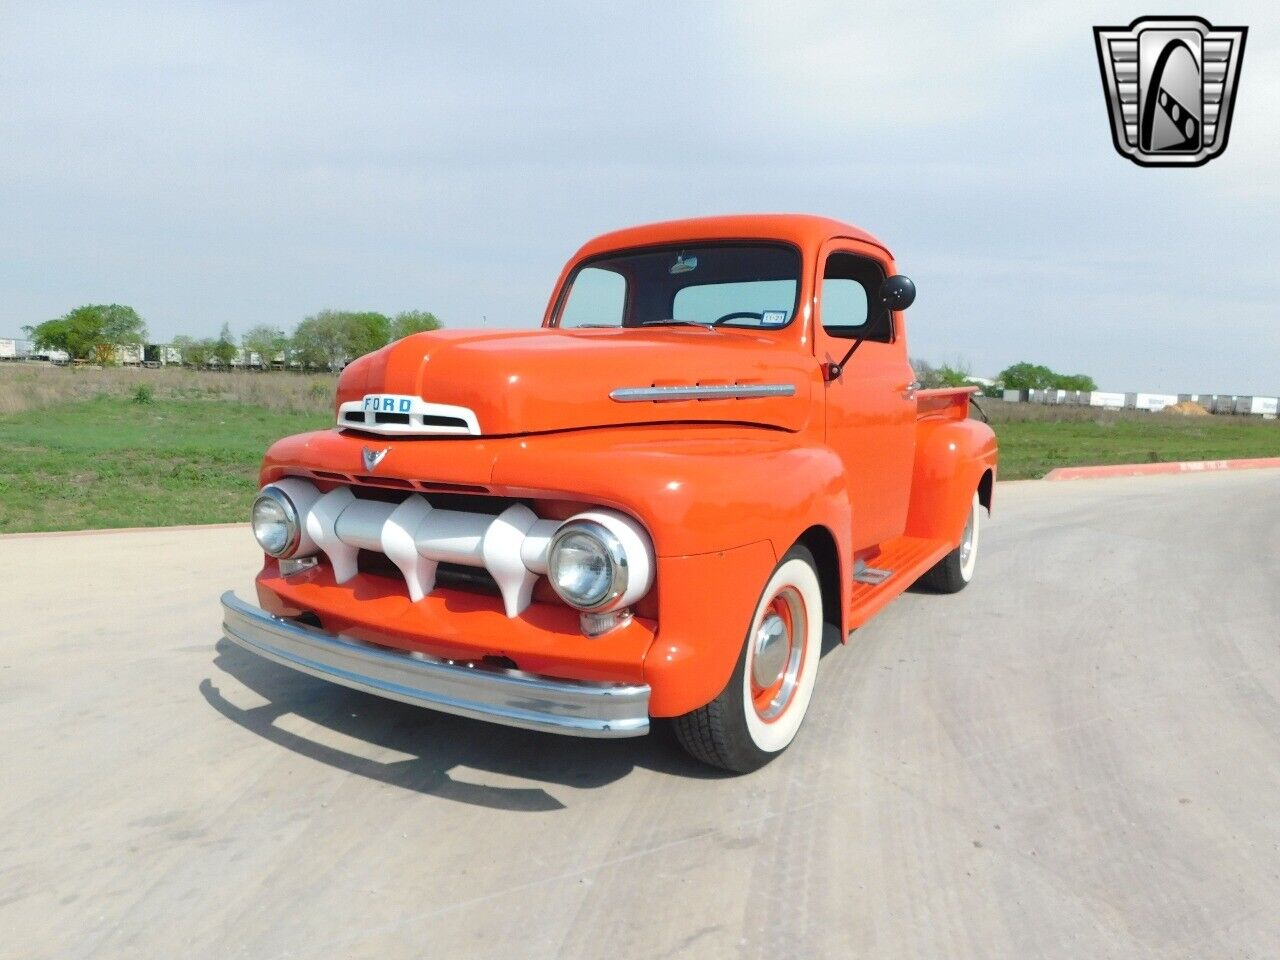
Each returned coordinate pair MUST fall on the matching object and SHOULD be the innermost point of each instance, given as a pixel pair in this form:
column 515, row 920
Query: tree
column 365, row 332
column 1026, row 376
column 1074, row 381
column 331, row 338
column 930, row 377
column 413, row 321
column 194, row 353
column 319, row 341
column 926, row 374
column 91, row 332
column 224, row 349
column 266, row 341
column 1030, row 376
column 957, row 376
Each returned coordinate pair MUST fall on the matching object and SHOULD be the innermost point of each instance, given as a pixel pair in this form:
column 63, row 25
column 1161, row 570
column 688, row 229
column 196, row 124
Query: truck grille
column 475, row 579
column 484, row 542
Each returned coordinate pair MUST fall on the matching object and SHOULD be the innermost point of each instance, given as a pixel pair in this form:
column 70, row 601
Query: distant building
column 1153, row 402
column 129, row 355
column 161, row 355
column 12, row 348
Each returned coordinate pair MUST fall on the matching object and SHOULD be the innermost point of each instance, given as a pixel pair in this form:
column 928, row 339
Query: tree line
column 329, row 339
column 325, row 340
column 1017, row 376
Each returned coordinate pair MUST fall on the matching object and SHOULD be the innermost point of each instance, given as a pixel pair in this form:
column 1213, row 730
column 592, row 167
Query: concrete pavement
column 1078, row 756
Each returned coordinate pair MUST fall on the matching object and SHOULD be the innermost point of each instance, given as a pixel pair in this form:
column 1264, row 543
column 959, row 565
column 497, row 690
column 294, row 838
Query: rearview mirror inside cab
column 897, row 292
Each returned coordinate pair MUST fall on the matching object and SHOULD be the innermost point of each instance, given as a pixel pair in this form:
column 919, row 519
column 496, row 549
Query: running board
column 902, row 561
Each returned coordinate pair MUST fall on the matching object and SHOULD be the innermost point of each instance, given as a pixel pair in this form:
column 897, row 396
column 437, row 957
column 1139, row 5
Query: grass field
column 1032, row 447
column 80, row 451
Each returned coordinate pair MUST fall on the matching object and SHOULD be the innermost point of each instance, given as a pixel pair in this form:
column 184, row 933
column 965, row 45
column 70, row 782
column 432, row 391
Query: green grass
column 135, row 458
column 1031, row 448
column 113, row 462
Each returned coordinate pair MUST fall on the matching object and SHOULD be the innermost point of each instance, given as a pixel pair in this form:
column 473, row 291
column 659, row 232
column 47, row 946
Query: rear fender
column 953, row 460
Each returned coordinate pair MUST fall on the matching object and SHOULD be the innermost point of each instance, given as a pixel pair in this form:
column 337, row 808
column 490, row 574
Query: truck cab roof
column 806, row 231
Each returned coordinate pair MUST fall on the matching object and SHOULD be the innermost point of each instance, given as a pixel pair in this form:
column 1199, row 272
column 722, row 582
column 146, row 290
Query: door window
column 851, row 304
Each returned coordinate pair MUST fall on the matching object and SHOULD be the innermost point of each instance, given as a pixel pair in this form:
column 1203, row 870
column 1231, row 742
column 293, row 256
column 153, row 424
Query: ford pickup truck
column 712, row 451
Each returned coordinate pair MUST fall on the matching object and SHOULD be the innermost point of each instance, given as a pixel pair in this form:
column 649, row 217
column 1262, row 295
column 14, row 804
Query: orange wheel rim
column 778, row 654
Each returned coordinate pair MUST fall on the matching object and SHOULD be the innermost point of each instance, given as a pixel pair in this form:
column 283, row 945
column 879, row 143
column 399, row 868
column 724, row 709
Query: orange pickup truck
column 712, row 450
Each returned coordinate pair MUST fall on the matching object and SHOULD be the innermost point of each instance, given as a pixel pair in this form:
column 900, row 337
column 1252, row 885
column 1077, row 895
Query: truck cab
column 711, row 451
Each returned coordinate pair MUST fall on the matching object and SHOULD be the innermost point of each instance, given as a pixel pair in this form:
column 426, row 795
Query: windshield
column 727, row 284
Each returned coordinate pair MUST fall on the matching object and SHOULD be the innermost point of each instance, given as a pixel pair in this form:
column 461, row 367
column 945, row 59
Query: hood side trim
column 728, row 391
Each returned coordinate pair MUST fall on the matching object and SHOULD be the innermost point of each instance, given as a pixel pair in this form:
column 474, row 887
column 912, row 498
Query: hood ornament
column 373, row 457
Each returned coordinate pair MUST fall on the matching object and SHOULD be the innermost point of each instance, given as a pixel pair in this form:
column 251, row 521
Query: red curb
column 1148, row 469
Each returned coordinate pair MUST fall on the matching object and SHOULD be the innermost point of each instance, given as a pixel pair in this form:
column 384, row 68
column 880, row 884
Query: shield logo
column 1170, row 84
column 373, row 457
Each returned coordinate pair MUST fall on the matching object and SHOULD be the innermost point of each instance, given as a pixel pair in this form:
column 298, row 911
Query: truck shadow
column 434, row 745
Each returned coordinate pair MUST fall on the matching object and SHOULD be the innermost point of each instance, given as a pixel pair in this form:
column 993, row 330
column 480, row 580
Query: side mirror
column 897, row 292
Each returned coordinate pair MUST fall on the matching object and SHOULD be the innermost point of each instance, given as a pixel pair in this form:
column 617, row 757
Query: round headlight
column 275, row 523
column 587, row 565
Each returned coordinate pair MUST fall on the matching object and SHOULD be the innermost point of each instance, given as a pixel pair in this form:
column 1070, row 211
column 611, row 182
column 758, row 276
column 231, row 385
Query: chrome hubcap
column 771, row 650
column 777, row 654
column 966, row 544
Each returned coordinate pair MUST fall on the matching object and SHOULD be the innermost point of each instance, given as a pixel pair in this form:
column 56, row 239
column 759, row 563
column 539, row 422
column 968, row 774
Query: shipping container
column 1100, row 399
column 1154, row 401
column 129, row 355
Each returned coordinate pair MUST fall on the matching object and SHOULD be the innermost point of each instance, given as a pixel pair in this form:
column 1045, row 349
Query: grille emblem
column 373, row 457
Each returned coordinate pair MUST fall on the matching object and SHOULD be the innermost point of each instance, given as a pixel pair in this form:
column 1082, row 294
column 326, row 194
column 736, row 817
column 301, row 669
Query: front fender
column 722, row 508
column 697, row 490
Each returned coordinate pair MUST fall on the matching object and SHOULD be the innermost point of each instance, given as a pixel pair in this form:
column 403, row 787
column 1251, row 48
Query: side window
column 851, row 304
column 596, row 299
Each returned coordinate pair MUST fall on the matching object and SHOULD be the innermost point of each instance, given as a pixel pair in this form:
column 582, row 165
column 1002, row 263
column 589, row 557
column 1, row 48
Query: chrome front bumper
column 579, row 708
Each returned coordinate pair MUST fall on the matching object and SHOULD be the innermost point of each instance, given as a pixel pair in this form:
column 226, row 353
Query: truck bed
column 948, row 403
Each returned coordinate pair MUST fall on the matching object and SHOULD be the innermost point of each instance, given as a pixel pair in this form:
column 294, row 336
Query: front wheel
column 953, row 572
column 760, row 710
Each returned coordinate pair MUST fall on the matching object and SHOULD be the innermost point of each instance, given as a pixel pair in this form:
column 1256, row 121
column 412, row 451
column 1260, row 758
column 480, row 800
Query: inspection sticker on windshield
column 773, row 318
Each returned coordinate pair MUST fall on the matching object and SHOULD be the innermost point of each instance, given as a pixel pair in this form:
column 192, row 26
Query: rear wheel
column 760, row 710
column 953, row 572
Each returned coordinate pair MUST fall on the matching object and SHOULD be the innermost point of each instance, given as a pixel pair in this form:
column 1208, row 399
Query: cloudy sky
column 257, row 162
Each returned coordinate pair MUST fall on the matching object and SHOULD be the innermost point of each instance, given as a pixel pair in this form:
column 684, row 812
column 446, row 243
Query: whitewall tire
column 761, row 709
column 953, row 572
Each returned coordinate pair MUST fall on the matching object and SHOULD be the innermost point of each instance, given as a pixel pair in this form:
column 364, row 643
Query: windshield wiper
column 669, row 322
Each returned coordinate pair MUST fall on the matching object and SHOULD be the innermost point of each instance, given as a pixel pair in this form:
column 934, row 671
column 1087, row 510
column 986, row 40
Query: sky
column 257, row 162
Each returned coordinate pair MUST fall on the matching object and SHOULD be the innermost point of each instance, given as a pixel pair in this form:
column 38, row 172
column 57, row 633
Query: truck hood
column 535, row 381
